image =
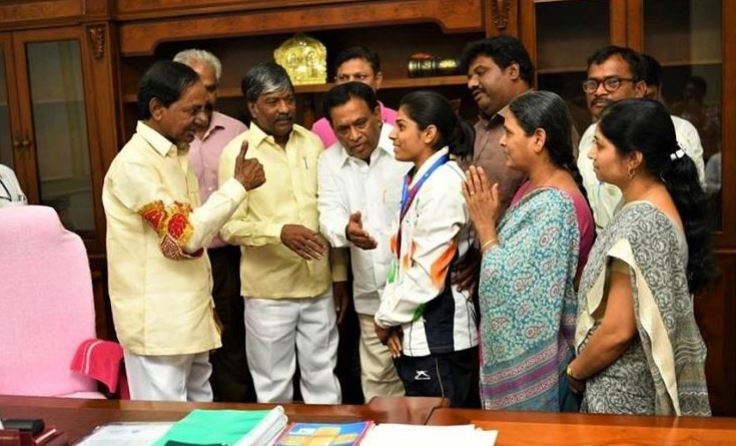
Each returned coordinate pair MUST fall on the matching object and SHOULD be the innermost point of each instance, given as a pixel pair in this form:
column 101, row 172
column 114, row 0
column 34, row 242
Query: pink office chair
column 46, row 305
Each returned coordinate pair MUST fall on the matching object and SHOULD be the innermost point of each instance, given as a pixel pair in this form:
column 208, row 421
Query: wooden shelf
column 57, row 101
column 388, row 84
column 673, row 63
column 680, row 63
column 562, row 70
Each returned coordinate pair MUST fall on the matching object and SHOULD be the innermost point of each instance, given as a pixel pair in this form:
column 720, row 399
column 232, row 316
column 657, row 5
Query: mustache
column 284, row 117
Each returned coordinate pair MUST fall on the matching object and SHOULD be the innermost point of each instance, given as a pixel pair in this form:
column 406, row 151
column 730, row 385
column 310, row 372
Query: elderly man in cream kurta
column 285, row 269
column 159, row 275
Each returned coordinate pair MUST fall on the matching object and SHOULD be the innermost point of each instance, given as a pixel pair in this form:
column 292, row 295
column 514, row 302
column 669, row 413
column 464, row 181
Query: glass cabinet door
column 567, row 32
column 685, row 37
column 60, row 131
column 53, row 107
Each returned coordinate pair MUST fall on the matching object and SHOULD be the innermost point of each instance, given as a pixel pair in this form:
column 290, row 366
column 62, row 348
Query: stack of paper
column 126, row 434
column 227, row 427
column 406, row 434
column 220, row 427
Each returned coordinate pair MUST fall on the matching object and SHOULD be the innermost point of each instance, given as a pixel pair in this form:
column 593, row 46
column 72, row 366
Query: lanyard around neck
column 408, row 194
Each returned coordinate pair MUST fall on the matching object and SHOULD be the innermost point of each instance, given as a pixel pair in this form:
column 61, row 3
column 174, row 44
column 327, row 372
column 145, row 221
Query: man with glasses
column 355, row 64
column 616, row 73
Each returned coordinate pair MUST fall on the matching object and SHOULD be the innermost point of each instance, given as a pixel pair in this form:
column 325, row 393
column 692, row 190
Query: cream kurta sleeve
column 183, row 230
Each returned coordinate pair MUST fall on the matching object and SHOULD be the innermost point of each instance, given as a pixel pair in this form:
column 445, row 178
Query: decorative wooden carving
column 97, row 40
column 500, row 11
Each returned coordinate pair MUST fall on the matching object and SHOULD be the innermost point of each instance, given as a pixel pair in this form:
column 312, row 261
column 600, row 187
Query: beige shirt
column 159, row 276
column 268, row 269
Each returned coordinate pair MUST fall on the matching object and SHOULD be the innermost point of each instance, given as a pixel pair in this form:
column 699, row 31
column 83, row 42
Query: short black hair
column 504, row 50
column 342, row 93
column 632, row 58
column 165, row 80
column 651, row 71
column 359, row 52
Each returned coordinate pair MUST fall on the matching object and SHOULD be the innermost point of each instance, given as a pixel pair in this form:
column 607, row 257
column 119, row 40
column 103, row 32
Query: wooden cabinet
column 55, row 139
column 395, row 29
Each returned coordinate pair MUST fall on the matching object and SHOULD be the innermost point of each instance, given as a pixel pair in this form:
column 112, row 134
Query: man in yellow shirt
column 285, row 264
column 159, row 274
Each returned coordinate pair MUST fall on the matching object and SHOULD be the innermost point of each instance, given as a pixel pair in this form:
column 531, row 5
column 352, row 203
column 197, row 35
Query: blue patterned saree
column 528, row 305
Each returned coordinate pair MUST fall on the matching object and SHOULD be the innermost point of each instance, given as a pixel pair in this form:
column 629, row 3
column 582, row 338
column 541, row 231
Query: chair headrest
column 41, row 221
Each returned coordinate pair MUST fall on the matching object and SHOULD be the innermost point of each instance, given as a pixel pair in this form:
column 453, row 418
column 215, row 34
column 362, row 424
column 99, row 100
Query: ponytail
column 463, row 139
column 680, row 177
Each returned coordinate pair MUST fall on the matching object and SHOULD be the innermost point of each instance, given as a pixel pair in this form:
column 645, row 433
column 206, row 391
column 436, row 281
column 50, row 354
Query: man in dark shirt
column 499, row 69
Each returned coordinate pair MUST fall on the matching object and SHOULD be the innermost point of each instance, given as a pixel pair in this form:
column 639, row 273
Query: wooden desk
column 537, row 428
column 77, row 417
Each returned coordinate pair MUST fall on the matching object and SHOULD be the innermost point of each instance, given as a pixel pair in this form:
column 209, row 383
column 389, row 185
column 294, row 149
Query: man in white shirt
column 614, row 74
column 359, row 195
column 159, row 274
column 10, row 191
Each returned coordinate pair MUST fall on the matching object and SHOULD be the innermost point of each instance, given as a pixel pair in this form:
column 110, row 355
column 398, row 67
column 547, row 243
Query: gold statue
column 304, row 58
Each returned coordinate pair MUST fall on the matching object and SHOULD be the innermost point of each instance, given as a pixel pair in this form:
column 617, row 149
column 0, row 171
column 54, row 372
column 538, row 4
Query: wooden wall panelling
column 716, row 320
column 635, row 24
column 618, row 22
column 727, row 238
column 715, row 312
column 141, row 38
column 156, row 9
column 26, row 14
column 24, row 114
column 528, row 27
column 98, row 9
column 16, row 125
column 101, row 79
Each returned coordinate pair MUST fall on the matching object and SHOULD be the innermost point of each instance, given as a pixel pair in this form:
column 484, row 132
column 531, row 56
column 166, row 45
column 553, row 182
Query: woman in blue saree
column 531, row 258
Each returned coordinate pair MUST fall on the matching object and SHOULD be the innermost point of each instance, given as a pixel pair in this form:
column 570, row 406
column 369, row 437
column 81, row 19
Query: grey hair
column 205, row 57
column 265, row 78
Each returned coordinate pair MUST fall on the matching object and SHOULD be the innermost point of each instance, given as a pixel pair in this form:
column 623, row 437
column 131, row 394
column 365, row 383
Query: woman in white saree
column 639, row 350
